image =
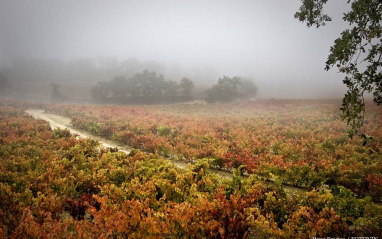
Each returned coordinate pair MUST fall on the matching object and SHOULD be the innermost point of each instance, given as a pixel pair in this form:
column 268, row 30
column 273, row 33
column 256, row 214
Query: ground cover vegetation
column 298, row 143
column 54, row 185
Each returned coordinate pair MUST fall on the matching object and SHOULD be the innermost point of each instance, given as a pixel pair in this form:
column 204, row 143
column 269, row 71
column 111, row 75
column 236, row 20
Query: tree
column 357, row 53
column 100, row 91
column 56, row 96
column 186, row 87
column 225, row 90
column 230, row 84
column 171, row 89
column 248, row 88
column 119, row 86
column 147, row 84
column 144, row 87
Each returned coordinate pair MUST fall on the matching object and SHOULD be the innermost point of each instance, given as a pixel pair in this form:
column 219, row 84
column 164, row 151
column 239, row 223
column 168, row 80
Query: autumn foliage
column 54, row 185
column 301, row 143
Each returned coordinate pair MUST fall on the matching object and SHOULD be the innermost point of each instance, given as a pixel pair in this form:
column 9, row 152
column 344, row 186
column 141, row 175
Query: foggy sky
column 258, row 39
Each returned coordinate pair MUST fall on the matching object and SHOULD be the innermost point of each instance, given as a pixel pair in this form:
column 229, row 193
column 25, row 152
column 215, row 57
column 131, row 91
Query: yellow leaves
column 145, row 197
column 134, row 221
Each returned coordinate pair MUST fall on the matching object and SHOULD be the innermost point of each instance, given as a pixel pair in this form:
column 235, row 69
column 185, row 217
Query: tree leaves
column 311, row 12
column 357, row 53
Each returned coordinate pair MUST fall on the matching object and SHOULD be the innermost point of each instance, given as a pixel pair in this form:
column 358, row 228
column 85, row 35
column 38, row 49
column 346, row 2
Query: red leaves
column 61, row 187
column 77, row 209
column 279, row 137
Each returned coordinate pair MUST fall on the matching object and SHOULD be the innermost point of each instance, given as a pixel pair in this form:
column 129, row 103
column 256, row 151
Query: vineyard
column 54, row 185
column 298, row 143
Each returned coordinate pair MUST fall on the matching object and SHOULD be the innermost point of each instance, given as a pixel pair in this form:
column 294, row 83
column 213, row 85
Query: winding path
column 61, row 122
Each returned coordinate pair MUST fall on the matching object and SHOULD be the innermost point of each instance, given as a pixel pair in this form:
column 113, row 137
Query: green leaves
column 311, row 12
column 55, row 186
column 357, row 53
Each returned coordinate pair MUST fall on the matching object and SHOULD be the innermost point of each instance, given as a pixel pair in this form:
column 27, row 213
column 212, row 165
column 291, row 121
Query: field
column 299, row 143
column 55, row 185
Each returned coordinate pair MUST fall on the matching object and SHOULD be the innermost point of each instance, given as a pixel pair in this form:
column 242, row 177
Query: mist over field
column 85, row 42
column 190, row 118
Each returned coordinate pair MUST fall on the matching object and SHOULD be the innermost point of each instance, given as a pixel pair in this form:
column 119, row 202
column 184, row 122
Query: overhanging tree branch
column 365, row 19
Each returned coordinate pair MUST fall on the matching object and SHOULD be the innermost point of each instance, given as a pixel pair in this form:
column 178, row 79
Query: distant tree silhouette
column 143, row 87
column 147, row 84
column 171, row 90
column 225, row 90
column 56, row 96
column 186, row 87
column 100, row 91
column 119, row 87
column 248, row 88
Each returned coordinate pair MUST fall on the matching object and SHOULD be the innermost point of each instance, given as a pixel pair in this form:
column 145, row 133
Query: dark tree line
column 148, row 87
column 143, row 87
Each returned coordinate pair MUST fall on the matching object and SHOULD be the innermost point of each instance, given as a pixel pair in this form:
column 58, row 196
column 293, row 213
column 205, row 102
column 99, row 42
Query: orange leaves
column 305, row 222
column 131, row 217
column 289, row 139
column 55, row 186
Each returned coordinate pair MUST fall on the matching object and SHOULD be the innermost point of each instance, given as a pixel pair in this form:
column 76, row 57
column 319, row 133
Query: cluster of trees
column 58, row 81
column 145, row 86
column 228, row 89
column 148, row 87
column 31, row 78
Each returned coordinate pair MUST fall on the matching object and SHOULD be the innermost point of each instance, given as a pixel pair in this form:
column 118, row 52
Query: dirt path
column 61, row 122
column 58, row 121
